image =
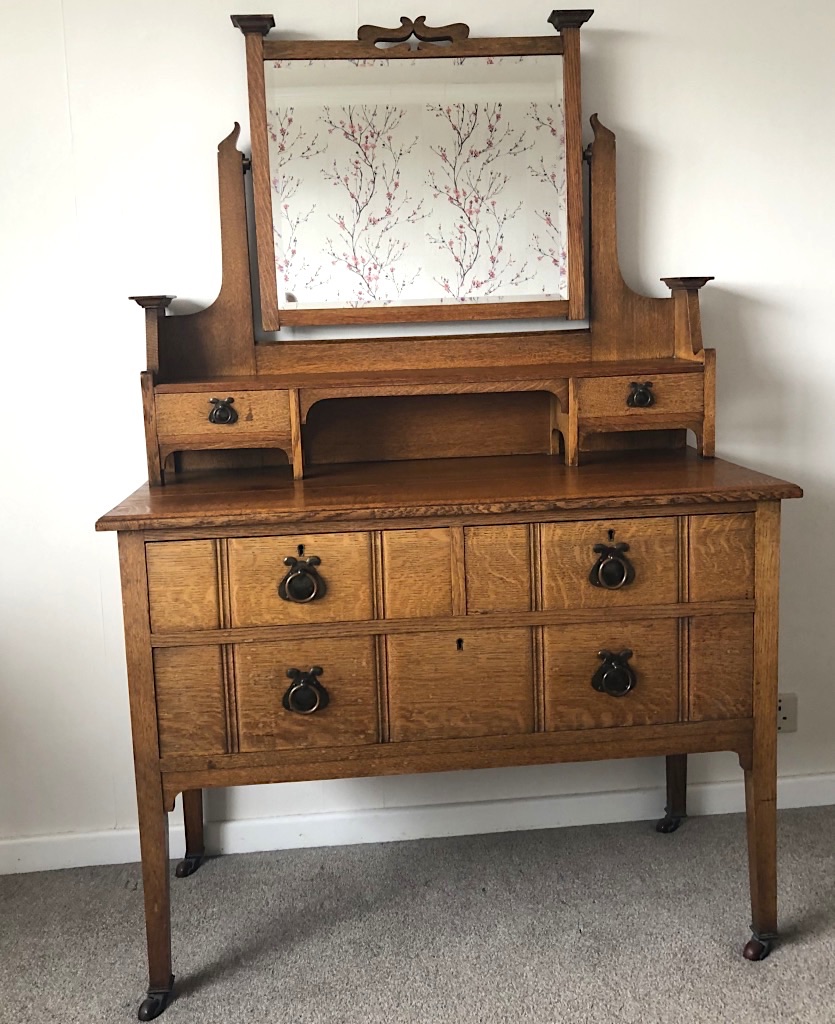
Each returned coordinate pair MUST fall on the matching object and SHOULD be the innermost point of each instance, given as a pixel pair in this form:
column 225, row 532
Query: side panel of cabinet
column 191, row 705
column 348, row 674
column 572, row 658
column 456, row 684
column 182, row 585
column 722, row 557
column 721, row 667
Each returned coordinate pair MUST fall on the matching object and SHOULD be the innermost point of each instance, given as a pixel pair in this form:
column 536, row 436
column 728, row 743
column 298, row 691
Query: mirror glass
column 417, row 181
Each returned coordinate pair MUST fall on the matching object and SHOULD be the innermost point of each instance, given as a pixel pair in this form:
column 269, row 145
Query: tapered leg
column 193, row 818
column 153, row 839
column 761, row 820
column 676, row 810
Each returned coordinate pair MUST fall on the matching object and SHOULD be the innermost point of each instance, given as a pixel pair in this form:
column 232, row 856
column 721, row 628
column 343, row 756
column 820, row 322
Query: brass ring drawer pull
column 614, row 676
column 302, row 583
column 641, row 395
column 612, row 570
column 305, row 694
column 222, row 411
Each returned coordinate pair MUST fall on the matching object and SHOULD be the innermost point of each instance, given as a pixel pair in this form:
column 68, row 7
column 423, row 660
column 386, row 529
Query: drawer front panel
column 722, row 557
column 348, row 676
column 417, row 573
column 721, row 667
column 182, row 585
column 185, row 416
column 498, row 569
column 672, row 394
column 458, row 684
column 568, row 559
column 572, row 660
column 256, row 569
column 191, row 701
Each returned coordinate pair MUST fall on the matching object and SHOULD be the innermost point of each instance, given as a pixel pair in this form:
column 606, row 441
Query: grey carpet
column 609, row 924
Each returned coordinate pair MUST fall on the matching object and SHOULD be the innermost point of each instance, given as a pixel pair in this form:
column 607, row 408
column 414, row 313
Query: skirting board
column 121, row 846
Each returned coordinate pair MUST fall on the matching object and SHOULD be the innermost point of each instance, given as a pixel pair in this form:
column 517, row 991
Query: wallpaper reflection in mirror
column 410, row 181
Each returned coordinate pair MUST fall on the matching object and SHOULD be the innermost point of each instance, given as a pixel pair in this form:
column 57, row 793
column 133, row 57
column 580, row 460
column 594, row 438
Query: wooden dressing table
column 489, row 550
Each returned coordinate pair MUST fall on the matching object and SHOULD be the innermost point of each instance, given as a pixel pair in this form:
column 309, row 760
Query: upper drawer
column 669, row 394
column 645, row 571
column 250, row 415
column 338, row 588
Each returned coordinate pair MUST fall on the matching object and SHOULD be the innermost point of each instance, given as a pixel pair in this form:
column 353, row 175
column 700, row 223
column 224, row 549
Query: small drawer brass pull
column 614, row 676
column 612, row 570
column 222, row 411
column 641, row 396
column 305, row 694
column 302, row 583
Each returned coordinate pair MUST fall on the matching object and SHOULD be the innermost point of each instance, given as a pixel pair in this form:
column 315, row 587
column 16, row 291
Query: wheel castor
column 757, row 949
column 187, row 866
column 155, row 1002
column 668, row 824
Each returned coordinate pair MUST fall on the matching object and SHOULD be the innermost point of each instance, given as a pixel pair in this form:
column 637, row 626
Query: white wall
column 111, row 117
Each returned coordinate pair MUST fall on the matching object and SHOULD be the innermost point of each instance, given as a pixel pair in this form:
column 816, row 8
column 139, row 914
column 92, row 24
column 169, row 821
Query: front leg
column 193, row 819
column 153, row 840
column 761, row 820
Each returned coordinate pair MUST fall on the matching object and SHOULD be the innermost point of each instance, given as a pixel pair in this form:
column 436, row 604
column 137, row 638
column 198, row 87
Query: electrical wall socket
column 786, row 712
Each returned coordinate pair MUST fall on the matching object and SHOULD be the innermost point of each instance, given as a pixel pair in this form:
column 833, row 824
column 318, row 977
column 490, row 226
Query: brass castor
column 155, row 1002
column 187, row 866
column 669, row 823
column 757, row 949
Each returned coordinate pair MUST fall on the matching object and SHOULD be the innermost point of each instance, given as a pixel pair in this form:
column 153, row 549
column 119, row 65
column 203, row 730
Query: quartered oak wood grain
column 721, row 557
column 191, row 700
column 571, row 659
column 348, row 675
column 721, row 667
column 183, row 585
column 469, row 683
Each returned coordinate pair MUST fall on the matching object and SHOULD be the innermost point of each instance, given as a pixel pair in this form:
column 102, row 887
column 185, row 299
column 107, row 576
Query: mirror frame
column 440, row 43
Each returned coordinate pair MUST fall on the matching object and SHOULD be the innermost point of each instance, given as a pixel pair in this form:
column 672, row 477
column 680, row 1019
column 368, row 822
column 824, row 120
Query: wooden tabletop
column 442, row 487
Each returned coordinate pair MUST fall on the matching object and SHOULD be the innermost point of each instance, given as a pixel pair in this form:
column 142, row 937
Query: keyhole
column 300, row 550
column 611, row 536
column 459, row 644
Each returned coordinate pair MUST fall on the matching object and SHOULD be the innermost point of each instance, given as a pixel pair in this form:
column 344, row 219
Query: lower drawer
column 638, row 685
column 458, row 684
column 345, row 714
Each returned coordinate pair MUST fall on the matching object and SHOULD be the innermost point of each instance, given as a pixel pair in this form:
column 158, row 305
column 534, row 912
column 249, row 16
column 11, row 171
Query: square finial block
column 253, row 23
column 569, row 19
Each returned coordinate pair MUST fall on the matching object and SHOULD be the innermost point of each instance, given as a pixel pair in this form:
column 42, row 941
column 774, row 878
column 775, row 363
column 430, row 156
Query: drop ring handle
column 305, row 694
column 302, row 583
column 612, row 570
column 222, row 411
column 615, row 676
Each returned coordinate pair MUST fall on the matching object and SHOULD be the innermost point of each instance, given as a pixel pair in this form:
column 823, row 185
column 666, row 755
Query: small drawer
column 498, row 568
column 574, row 667
column 191, row 702
column 673, row 395
column 459, row 684
column 182, row 585
column 721, row 667
column 609, row 563
column 193, row 416
column 722, row 557
column 330, row 580
column 343, row 696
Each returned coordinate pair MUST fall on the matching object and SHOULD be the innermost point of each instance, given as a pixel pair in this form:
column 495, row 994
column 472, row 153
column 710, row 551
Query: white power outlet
column 787, row 712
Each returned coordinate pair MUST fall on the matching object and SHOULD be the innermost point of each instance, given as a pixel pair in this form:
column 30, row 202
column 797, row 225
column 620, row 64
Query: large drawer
column 338, row 588
column 457, row 684
column 609, row 563
column 574, row 663
column 346, row 717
